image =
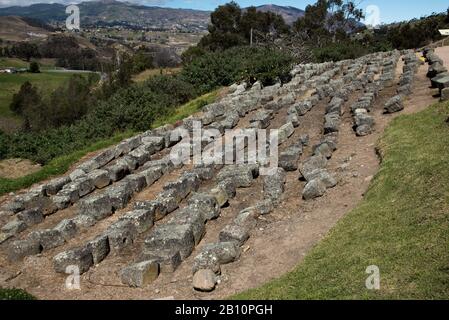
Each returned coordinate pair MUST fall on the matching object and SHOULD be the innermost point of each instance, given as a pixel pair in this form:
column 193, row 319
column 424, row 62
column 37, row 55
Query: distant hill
column 15, row 28
column 290, row 14
column 110, row 12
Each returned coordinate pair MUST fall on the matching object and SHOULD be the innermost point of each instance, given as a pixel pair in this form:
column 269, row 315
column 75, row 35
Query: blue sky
column 389, row 10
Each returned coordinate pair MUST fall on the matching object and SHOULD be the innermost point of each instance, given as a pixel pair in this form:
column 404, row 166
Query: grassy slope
column 402, row 226
column 61, row 164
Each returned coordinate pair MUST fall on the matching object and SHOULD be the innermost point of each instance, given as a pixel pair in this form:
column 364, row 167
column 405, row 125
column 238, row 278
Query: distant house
column 8, row 70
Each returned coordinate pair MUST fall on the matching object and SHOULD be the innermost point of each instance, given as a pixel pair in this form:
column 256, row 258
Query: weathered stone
column 363, row 130
column 20, row 249
column 220, row 194
column 55, row 185
column 83, row 221
column 97, row 206
column 168, row 260
column 241, row 175
column 206, row 204
column 331, row 123
column 204, row 173
column 294, row 119
column 312, row 164
column 99, row 247
column 152, row 174
column 31, row 216
column 141, row 154
column 171, row 237
column 247, row 218
column 76, row 174
column 71, row 191
column 99, row 178
column 314, row 189
column 193, row 218
column 117, row 171
column 325, row 177
column 48, row 238
column 304, row 139
column 104, row 157
column 285, row 132
column 323, row 149
column 84, row 186
column 204, row 280
column 14, row 227
column 264, row 207
column 395, row 104
column 234, row 233
column 142, row 219
column 140, row 274
column 263, row 117
column 121, row 235
column 273, row 185
column 445, row 94
column 67, row 228
column 303, row 107
column 136, row 182
column 61, row 201
column 119, row 195
column 165, row 204
column 80, row 257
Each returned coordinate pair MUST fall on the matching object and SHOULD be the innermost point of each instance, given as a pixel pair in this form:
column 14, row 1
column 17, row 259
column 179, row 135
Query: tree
column 27, row 96
column 447, row 16
column 34, row 67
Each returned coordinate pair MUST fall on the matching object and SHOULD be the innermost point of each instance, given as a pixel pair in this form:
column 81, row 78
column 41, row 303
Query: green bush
column 15, row 294
column 249, row 64
column 340, row 51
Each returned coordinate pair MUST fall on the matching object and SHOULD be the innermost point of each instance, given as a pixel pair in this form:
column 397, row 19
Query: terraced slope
column 140, row 224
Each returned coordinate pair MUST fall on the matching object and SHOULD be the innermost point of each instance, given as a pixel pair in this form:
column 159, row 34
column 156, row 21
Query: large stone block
column 273, row 185
column 140, row 274
column 206, row 204
column 234, row 233
column 99, row 248
column 142, row 219
column 312, row 164
column 97, row 206
column 168, row 260
column 314, row 189
column 99, row 178
column 193, row 218
column 48, row 238
column 80, row 257
column 31, row 216
column 121, row 235
column 213, row 255
column 67, row 228
column 395, row 104
column 171, row 237
column 119, row 194
column 20, row 249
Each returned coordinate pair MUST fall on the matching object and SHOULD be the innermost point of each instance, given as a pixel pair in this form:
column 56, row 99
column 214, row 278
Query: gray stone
column 76, row 174
column 119, row 195
column 61, row 201
column 303, row 107
column 206, row 204
column 294, row 119
column 445, row 94
column 31, row 216
column 331, row 123
column 220, row 194
column 241, row 175
column 84, row 186
column 323, row 149
column 165, row 204
column 121, row 235
column 285, row 132
column 14, row 227
column 140, row 274
column 193, row 218
column 263, row 117
column 234, row 233
column 117, row 171
column 395, row 104
column 152, row 174
column 288, row 159
column 136, row 182
column 99, row 178
column 312, row 164
column 71, row 191
column 97, row 206
column 314, row 189
column 55, row 185
column 141, row 154
column 363, row 130
column 304, row 140
column 20, row 249
column 142, row 219
column 204, row 173
column 48, row 238
column 171, row 237
column 80, row 257
column 264, row 207
column 104, row 157
column 168, row 260
column 247, row 218
column 325, row 177
column 67, row 228
column 273, row 185
column 84, row 221
column 204, row 280
column 99, row 248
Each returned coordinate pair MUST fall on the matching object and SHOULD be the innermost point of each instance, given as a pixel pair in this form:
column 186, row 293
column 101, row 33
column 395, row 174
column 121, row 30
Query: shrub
column 34, row 67
column 15, row 294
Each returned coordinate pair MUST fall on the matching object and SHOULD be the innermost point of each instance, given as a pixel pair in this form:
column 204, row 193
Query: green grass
column 15, row 294
column 61, row 164
column 10, row 84
column 402, row 225
column 58, row 165
column 188, row 109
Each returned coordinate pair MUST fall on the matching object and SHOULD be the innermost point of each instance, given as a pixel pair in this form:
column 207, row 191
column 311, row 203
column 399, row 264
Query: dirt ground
column 16, row 168
column 278, row 243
